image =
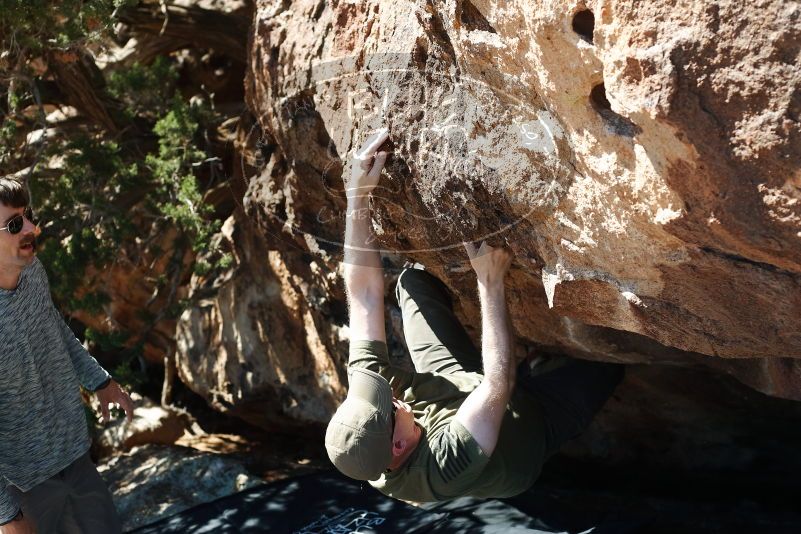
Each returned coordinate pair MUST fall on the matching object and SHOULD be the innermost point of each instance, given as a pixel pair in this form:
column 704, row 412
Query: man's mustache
column 29, row 241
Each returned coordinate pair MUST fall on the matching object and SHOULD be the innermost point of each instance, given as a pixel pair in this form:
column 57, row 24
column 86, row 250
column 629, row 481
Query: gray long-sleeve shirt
column 42, row 421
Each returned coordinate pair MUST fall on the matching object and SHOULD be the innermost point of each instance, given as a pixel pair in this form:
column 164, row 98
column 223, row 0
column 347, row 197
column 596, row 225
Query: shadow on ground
column 329, row 503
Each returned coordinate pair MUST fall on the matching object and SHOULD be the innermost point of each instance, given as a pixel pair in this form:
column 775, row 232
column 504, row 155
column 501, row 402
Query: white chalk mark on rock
column 540, row 135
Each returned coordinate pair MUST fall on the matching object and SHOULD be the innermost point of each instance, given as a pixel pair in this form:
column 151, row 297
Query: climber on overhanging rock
column 453, row 427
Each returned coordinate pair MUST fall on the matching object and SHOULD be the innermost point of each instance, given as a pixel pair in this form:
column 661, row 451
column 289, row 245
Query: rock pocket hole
column 584, row 24
column 598, row 98
column 617, row 124
column 473, row 20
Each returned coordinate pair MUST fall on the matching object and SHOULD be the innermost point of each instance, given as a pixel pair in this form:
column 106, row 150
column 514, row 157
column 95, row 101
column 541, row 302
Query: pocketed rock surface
column 640, row 159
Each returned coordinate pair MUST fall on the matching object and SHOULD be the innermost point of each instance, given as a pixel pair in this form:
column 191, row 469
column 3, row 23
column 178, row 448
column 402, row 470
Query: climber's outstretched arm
column 482, row 411
column 362, row 271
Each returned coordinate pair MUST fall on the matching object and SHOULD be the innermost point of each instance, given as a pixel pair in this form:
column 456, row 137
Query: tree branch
column 84, row 87
column 178, row 27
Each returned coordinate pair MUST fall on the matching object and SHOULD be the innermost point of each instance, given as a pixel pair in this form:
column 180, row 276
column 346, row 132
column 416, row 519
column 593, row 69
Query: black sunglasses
column 15, row 224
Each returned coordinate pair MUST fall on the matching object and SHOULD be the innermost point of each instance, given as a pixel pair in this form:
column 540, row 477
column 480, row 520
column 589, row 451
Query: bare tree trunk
column 83, row 85
column 178, row 27
column 170, row 370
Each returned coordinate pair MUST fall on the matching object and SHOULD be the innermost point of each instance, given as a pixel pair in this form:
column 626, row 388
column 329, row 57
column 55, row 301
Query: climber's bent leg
column 436, row 339
column 571, row 396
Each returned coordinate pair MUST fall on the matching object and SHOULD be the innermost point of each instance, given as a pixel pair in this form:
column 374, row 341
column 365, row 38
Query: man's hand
column 114, row 394
column 20, row 525
column 490, row 264
column 366, row 166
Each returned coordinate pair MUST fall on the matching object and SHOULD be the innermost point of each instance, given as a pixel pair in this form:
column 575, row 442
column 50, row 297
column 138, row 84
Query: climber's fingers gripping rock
column 367, row 164
column 489, row 263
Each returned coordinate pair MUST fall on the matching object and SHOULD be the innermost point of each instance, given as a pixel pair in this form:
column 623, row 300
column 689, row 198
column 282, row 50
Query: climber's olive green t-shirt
column 448, row 463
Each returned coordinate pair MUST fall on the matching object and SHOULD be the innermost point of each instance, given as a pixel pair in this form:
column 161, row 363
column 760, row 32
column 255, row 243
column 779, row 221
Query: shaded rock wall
column 641, row 160
column 259, row 345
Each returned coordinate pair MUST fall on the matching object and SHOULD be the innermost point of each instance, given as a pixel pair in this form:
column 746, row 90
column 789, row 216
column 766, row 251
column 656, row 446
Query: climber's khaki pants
column 74, row 501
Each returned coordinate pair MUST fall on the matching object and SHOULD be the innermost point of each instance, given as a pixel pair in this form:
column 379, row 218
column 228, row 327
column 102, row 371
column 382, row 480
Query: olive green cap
column 359, row 436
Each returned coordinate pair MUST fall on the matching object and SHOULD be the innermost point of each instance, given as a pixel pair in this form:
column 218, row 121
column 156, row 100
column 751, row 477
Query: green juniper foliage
column 39, row 24
column 8, row 133
column 179, row 197
column 99, row 193
column 79, row 207
column 146, row 90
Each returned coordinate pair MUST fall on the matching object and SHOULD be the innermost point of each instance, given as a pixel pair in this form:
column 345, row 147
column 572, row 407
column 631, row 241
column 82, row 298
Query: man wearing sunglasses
column 48, row 483
column 464, row 422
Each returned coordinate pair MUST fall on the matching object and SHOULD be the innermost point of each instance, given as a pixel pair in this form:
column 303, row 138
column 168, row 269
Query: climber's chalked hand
column 366, row 165
column 490, row 263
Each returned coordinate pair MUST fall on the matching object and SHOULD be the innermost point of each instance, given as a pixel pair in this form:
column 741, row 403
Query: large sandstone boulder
column 263, row 344
column 642, row 160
